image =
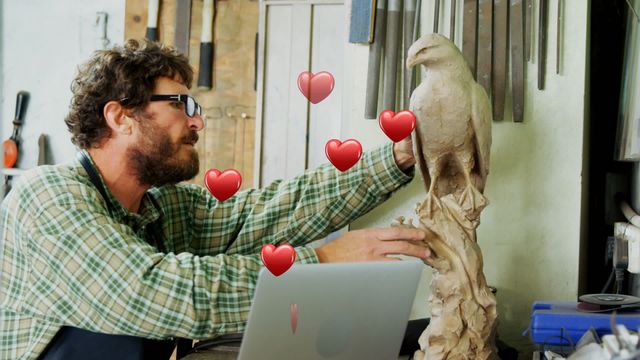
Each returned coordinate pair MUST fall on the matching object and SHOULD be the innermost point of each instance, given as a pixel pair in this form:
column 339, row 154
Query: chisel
column 205, row 69
column 152, row 20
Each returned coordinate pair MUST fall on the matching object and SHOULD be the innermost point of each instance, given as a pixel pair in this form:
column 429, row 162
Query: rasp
column 500, row 51
column 517, row 59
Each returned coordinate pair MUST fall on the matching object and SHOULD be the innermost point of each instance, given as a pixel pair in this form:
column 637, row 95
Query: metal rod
column 391, row 50
column 416, row 33
column 409, row 18
column 452, row 25
column 375, row 58
column 542, row 42
column 436, row 16
column 528, row 23
column 559, row 34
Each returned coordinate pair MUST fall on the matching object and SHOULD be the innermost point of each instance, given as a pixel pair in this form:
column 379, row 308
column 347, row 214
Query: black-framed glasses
column 191, row 107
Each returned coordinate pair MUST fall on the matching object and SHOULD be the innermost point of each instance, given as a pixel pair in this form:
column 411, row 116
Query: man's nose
column 196, row 122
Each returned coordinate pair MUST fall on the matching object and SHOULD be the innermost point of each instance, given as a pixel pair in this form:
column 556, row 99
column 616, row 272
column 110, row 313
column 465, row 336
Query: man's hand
column 374, row 245
column 403, row 153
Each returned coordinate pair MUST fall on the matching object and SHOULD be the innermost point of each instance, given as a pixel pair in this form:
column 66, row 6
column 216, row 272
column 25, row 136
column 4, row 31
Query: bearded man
column 113, row 256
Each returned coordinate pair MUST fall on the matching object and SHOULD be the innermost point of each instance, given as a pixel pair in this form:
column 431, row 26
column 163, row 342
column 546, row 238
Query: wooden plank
column 135, row 19
column 285, row 108
column 299, row 107
column 325, row 118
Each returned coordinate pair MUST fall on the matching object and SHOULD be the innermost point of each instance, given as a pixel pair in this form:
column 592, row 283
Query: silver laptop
column 344, row 311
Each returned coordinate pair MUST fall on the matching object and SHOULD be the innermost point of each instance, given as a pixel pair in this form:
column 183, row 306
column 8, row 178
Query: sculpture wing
column 481, row 118
column 417, row 137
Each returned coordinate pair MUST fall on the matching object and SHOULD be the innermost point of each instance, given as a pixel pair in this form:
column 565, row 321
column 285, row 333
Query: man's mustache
column 190, row 138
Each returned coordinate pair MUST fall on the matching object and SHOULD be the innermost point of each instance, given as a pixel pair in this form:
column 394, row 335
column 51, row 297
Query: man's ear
column 117, row 117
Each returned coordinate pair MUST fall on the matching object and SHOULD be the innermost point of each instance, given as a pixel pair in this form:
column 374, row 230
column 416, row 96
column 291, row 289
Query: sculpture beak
column 413, row 59
column 411, row 62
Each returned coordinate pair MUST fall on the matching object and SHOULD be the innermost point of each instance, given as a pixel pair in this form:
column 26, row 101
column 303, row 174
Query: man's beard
column 156, row 163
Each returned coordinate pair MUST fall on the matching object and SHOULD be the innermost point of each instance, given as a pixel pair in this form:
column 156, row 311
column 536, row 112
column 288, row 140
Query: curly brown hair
column 127, row 71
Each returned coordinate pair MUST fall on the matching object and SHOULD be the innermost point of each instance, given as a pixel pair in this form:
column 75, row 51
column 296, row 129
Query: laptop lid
column 344, row 311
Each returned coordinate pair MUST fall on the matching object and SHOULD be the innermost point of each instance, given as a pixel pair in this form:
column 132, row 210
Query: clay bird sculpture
column 453, row 129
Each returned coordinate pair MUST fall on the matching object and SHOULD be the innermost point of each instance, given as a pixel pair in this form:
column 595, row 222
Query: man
column 110, row 256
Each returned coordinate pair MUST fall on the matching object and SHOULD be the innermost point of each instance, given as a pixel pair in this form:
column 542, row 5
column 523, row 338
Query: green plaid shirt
column 66, row 260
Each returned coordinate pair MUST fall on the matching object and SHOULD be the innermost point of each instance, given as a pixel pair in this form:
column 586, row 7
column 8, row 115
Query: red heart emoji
column 315, row 87
column 278, row 260
column 343, row 155
column 222, row 185
column 399, row 125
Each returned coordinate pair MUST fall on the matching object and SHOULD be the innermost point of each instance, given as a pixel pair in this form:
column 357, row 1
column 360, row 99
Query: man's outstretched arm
column 300, row 210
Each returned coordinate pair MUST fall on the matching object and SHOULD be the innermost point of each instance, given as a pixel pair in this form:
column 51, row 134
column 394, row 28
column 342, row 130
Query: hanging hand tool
column 394, row 19
column 12, row 145
column 152, row 20
column 559, row 34
column 42, row 150
column 101, row 23
column 542, row 42
column 255, row 63
column 409, row 14
column 205, row 69
column 469, row 33
column 528, row 26
column 416, row 32
column 452, row 22
column 517, row 59
column 485, row 40
column 436, row 16
column 375, row 58
column 183, row 26
column 500, row 57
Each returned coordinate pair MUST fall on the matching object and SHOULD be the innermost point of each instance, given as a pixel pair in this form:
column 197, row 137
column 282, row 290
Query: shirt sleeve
column 88, row 271
column 296, row 211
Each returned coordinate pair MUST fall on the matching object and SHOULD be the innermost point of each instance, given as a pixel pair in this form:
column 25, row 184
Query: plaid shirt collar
column 149, row 212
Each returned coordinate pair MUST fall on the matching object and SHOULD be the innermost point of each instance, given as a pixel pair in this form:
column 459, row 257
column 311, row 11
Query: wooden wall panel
column 228, row 139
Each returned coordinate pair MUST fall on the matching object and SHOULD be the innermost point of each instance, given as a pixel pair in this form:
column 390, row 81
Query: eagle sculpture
column 451, row 143
column 453, row 130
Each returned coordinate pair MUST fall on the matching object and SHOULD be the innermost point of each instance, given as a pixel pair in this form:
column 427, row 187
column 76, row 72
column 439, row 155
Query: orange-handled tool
column 12, row 144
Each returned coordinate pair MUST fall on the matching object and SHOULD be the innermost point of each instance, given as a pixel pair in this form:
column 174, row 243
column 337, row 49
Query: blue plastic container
column 560, row 323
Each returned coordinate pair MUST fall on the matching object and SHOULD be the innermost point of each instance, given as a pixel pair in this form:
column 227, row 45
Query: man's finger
column 405, row 248
column 398, row 233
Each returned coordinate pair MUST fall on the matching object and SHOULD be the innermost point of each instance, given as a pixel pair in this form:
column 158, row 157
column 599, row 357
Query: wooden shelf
column 13, row 172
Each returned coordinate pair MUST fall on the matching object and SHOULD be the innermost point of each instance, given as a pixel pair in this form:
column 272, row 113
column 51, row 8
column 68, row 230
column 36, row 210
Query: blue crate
column 560, row 323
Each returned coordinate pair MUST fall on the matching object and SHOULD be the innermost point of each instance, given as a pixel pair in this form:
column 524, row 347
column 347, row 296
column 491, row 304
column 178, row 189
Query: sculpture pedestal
column 463, row 309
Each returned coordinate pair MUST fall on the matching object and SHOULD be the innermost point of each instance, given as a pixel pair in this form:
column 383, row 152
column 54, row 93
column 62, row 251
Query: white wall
column 42, row 43
column 530, row 232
